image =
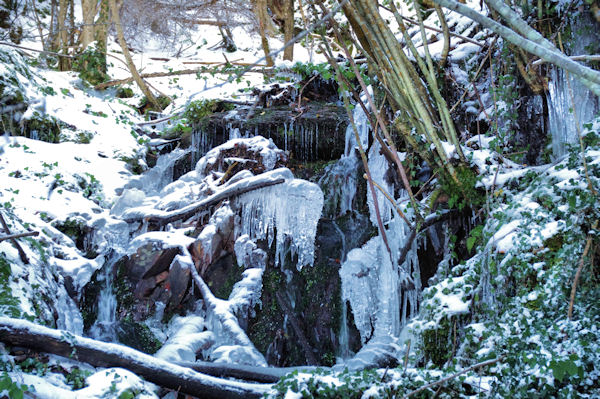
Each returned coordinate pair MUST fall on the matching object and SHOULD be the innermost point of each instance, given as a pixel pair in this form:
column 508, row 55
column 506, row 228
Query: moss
column 269, row 319
column 124, row 92
column 42, row 127
column 223, row 291
column 437, row 341
column 89, row 301
column 123, row 289
column 138, row 336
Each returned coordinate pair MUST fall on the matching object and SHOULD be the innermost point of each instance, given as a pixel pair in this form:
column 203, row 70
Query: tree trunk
column 288, row 29
column 116, row 19
column 88, row 10
column 62, row 37
column 101, row 32
column 101, row 354
column 262, row 15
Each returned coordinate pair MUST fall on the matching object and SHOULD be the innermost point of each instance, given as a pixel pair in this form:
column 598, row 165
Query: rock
column 177, row 282
column 149, row 260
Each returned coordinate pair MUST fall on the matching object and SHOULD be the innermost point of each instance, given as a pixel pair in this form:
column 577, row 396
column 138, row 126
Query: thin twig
column 39, row 51
column 443, row 380
column 588, row 244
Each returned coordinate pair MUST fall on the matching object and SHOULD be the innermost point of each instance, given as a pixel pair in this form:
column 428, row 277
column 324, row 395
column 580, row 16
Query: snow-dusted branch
column 453, row 376
column 222, row 311
column 532, row 41
column 163, row 217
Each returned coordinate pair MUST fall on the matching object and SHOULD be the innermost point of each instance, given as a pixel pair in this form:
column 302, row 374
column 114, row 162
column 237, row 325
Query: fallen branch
column 243, row 372
column 588, row 244
column 221, row 310
column 443, row 380
column 162, row 218
column 20, row 235
column 102, row 354
column 22, row 254
column 117, row 82
column 308, row 352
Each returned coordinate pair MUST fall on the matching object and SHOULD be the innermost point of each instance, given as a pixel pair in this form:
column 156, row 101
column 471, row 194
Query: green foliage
column 91, row 65
column 124, row 92
column 179, row 130
column 465, row 193
column 13, row 389
column 196, row 111
column 474, row 237
column 92, row 188
column 9, row 304
column 34, row 366
column 76, row 378
column 41, row 127
column 144, row 105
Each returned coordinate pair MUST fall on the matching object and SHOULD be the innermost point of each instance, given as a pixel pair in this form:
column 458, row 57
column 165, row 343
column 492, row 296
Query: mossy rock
column 138, row 336
column 437, row 341
column 42, row 127
column 124, row 92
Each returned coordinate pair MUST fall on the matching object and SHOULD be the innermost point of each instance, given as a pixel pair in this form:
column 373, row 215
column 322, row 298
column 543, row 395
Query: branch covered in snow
column 102, row 354
column 532, row 41
column 162, row 217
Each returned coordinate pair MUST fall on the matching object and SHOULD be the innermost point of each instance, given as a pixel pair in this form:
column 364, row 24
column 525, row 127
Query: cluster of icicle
column 382, row 293
column 287, row 213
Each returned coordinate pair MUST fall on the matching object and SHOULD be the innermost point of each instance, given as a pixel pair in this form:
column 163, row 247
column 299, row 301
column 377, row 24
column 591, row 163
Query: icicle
column 561, row 121
column 287, row 212
column 378, row 165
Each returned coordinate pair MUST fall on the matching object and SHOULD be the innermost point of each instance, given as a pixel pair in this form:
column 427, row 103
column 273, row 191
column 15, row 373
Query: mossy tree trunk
column 288, row 29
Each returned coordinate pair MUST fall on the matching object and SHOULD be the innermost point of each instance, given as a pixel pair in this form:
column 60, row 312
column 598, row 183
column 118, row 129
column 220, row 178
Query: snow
column 186, row 337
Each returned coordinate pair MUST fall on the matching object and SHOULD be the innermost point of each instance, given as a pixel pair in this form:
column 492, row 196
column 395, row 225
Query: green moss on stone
column 138, row 336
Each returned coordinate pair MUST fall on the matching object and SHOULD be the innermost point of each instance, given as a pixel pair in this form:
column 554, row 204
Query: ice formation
column 104, row 328
column 288, row 213
column 361, row 121
column 570, row 103
column 382, row 293
column 378, row 166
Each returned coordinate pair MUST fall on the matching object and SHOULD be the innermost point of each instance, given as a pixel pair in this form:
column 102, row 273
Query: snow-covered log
column 102, row 354
column 230, row 327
